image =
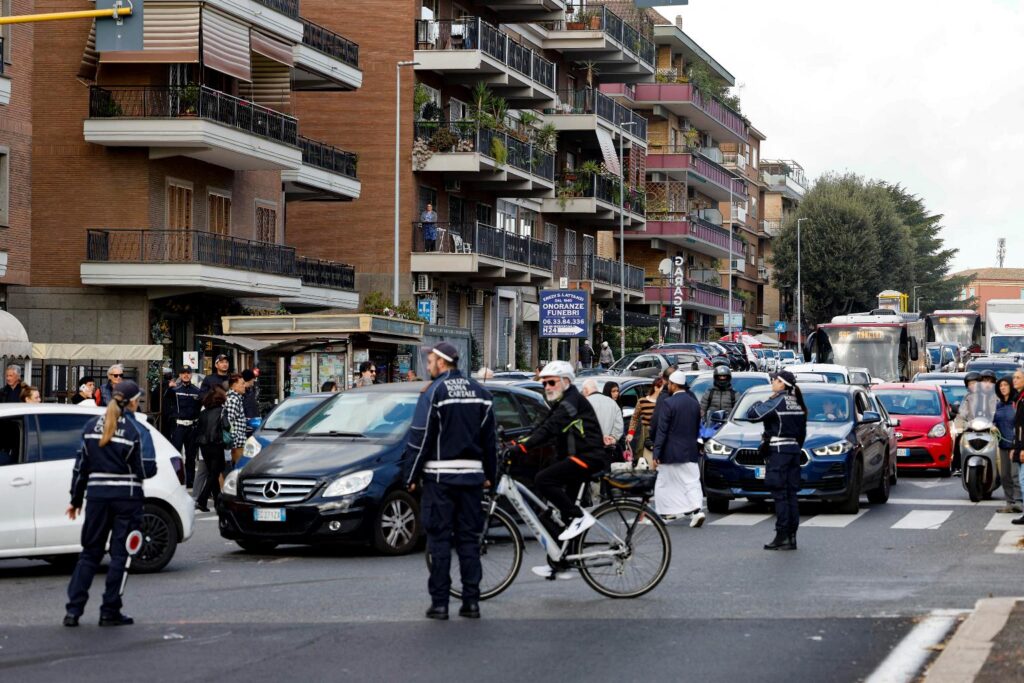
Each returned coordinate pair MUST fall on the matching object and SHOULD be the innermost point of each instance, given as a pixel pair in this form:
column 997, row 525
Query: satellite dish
column 665, row 267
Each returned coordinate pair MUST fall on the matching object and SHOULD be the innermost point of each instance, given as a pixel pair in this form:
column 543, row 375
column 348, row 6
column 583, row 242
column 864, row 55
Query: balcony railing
column 601, row 187
column 473, row 33
column 695, row 293
column 596, row 269
column 612, row 25
column 327, row 157
column 192, row 101
column 735, row 159
column 591, row 101
column 287, row 7
column 700, row 164
column 715, row 234
column 446, row 237
column 686, row 92
column 465, row 136
column 330, row 43
column 771, row 228
column 318, row 273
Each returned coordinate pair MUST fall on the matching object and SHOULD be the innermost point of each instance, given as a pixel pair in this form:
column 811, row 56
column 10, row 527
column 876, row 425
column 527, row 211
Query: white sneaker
column 697, row 520
column 544, row 571
column 577, row 526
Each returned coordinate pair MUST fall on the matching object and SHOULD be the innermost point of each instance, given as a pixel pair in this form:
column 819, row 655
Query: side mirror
column 870, row 417
column 954, row 410
column 720, row 416
column 895, row 423
column 913, row 348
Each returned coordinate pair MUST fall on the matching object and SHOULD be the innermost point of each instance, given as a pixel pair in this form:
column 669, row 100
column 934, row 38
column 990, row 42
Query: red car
column 923, row 434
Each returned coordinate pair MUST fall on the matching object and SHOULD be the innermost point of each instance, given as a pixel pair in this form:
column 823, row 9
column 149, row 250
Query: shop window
column 266, row 223
column 219, row 212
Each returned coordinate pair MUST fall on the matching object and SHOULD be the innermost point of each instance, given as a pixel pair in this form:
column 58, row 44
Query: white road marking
column 742, row 519
column 907, row 658
column 923, row 519
column 935, row 483
column 832, row 521
column 1002, row 522
column 945, row 502
column 1009, row 544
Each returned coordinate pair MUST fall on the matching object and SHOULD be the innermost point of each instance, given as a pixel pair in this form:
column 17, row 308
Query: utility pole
column 799, row 291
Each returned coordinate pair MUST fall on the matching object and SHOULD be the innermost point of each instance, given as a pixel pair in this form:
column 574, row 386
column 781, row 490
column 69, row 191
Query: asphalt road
column 727, row 610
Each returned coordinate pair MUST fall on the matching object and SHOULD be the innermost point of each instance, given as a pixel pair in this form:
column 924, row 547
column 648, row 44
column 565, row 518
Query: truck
column 1004, row 326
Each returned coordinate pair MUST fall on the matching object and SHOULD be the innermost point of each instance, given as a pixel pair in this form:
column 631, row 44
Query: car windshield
column 1003, row 344
column 909, row 401
column 830, row 377
column 290, row 411
column 787, row 355
column 700, row 385
column 958, row 329
column 859, row 378
column 821, row 406
column 954, row 393
column 374, row 415
column 623, row 363
column 874, row 348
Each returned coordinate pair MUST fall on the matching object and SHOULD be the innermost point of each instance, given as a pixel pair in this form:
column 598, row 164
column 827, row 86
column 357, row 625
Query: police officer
column 185, row 406
column 117, row 455
column 784, row 415
column 455, row 471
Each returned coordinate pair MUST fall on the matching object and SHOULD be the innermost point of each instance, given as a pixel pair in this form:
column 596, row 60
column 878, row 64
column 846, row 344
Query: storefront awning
column 14, row 341
column 244, row 343
column 320, row 325
column 119, row 352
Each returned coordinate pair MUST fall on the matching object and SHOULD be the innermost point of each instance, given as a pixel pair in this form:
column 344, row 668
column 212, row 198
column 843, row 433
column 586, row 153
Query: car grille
column 274, row 490
column 916, row 456
column 751, row 457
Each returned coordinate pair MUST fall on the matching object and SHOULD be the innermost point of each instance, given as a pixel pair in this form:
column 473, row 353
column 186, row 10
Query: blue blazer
column 677, row 429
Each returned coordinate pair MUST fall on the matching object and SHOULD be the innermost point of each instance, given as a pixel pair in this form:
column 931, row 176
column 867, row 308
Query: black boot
column 780, row 540
column 70, row 620
column 470, row 610
column 792, row 541
column 438, row 612
column 116, row 620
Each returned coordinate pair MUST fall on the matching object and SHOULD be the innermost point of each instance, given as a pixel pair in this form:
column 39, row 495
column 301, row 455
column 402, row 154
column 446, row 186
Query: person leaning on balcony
column 429, row 221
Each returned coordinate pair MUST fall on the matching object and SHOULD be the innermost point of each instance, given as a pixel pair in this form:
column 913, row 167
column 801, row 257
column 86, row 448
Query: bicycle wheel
column 637, row 565
column 501, row 556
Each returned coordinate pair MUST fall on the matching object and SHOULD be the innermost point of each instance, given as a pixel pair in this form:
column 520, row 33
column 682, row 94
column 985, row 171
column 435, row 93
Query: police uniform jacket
column 678, row 428
column 185, row 402
column 117, row 469
column 452, row 439
column 785, row 423
column 572, row 426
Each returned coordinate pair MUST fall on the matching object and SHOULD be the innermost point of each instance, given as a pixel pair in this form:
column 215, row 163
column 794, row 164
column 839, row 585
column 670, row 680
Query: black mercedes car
column 336, row 475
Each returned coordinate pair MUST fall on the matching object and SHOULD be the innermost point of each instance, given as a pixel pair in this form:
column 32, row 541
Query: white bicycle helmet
column 559, row 368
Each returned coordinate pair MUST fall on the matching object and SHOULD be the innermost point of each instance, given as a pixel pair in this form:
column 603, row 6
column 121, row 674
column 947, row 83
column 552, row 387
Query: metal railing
column 473, row 33
column 192, row 101
column 686, row 92
column 591, row 101
column 446, row 237
column 711, row 170
column 695, row 292
column 715, row 234
column 771, row 228
column 612, row 25
column 604, row 188
column 286, row 7
column 582, row 268
column 330, row 274
column 327, row 157
column 330, row 43
column 464, row 136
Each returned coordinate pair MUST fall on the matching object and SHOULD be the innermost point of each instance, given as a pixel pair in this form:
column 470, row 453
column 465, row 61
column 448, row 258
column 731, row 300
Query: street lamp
column 917, row 302
column 398, row 139
column 799, row 291
column 622, row 240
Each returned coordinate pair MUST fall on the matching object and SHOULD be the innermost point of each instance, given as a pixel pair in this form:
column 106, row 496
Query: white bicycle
column 625, row 554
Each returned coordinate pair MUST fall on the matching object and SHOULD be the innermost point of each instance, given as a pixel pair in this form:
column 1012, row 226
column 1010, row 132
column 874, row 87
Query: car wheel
column 880, row 494
column 258, row 547
column 851, row 504
column 894, row 478
column 719, row 506
column 398, row 524
column 159, row 540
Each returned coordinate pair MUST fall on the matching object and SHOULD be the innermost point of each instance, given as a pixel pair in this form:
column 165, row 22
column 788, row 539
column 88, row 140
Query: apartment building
column 506, row 135
column 161, row 178
column 784, row 187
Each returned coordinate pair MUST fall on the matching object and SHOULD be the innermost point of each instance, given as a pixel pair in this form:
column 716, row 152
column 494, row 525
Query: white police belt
column 186, row 423
column 453, row 466
column 780, row 441
column 109, row 479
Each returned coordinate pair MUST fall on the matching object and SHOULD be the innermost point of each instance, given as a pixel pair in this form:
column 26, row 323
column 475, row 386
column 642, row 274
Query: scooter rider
column 117, row 455
column 981, row 402
column 721, row 396
column 185, row 412
column 971, row 382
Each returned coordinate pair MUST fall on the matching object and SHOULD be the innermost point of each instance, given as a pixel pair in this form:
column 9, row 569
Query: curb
column 967, row 651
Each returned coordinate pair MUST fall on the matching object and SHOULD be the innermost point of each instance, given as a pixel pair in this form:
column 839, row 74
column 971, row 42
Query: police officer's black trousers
column 453, row 515
column 783, row 479
column 186, row 436
column 116, row 518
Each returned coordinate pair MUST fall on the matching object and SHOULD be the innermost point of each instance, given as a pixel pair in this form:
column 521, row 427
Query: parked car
column 702, row 351
column 846, row 451
column 741, row 381
column 530, row 383
column 336, row 475
column 787, row 357
column 1001, row 366
column 859, row 376
column 38, row 445
column 650, row 364
column 924, row 438
column 835, row 374
column 281, row 417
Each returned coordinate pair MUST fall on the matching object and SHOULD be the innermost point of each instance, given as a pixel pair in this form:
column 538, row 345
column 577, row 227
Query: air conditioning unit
column 764, row 321
column 452, row 185
column 477, row 298
column 424, row 285
column 762, row 273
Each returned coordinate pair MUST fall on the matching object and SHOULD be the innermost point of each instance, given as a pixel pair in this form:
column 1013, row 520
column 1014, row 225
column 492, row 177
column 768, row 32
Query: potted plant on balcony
column 575, row 21
column 188, row 100
column 589, row 67
column 443, row 140
column 591, row 19
column 545, row 137
column 691, row 138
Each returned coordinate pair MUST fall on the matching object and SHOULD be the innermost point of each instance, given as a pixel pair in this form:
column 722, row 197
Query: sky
column 926, row 93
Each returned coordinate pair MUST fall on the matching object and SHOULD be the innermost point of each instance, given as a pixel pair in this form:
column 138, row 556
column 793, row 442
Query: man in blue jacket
column 453, row 447
column 677, row 490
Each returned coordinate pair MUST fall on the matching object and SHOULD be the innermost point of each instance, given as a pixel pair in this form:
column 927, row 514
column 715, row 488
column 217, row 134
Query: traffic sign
column 425, row 309
column 123, row 32
column 780, row 326
column 564, row 313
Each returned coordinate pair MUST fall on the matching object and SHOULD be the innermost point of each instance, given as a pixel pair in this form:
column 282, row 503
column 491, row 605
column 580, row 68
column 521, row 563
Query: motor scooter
column 979, row 448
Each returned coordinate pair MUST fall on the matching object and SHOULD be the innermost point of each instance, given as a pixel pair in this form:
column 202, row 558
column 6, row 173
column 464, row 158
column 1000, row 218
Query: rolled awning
column 170, row 35
column 607, row 145
column 244, row 343
column 14, row 341
column 272, row 48
column 119, row 352
column 226, row 45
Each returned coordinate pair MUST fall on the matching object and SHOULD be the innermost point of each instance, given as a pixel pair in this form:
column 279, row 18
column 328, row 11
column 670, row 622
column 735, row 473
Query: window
column 219, row 213
column 5, row 181
column 570, row 247
column 485, row 214
column 179, row 206
column 535, row 410
column 456, row 209
column 457, row 110
column 12, row 441
column 527, row 222
column 435, row 99
column 551, row 236
column 427, row 195
column 506, row 216
column 629, row 397
column 60, row 436
column 266, row 223
column 505, row 412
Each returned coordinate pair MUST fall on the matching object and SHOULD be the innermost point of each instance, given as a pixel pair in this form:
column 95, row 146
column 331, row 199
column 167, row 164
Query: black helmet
column 988, row 375
column 971, row 377
column 723, row 376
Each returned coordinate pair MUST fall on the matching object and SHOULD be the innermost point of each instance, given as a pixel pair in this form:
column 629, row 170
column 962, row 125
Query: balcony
column 705, row 113
column 480, row 252
column 470, row 50
column 5, row 81
column 485, row 158
column 282, row 19
column 785, row 185
column 601, row 277
column 525, row 10
column 167, row 262
column 669, row 221
column 193, row 121
column 771, row 228
column 693, row 296
column 325, row 61
column 586, row 109
column 596, row 198
column 701, row 173
column 326, row 174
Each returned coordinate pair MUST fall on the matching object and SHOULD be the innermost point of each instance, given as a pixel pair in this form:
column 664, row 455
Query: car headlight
column 938, row 430
column 230, row 484
column 712, row 447
column 837, row 448
column 349, row 484
column 252, row 448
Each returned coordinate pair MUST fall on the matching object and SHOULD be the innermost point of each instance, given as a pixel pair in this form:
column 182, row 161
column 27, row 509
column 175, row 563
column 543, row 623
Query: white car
column 787, row 357
column 835, row 374
column 38, row 445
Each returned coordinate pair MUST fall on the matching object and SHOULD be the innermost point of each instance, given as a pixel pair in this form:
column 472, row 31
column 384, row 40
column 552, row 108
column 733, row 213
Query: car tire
column 258, row 547
column 159, row 540
column 720, row 506
column 397, row 529
column 880, row 494
column 894, row 478
column 851, row 504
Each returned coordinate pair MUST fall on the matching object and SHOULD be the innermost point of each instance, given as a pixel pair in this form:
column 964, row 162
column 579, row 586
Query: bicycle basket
column 631, row 483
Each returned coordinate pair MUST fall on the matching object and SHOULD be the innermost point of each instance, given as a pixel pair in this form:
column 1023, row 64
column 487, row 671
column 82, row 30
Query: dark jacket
column 573, row 427
column 785, row 422
column 117, row 469
column 675, row 440
column 1018, row 426
column 184, row 402
column 11, row 394
column 104, row 393
column 208, row 383
column 718, row 399
column 452, row 439
column 1005, row 419
column 209, row 429
column 251, row 403
column 586, row 356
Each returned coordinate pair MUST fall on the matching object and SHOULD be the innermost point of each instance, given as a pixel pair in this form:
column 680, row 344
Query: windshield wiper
column 356, row 435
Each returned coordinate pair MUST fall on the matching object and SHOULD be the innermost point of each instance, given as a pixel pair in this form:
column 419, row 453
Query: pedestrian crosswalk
column 923, row 519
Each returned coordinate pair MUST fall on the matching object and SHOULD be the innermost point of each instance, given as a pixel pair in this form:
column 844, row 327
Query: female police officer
column 784, row 416
column 117, row 454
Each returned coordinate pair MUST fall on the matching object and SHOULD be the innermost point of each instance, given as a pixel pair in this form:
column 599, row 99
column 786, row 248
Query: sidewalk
column 987, row 648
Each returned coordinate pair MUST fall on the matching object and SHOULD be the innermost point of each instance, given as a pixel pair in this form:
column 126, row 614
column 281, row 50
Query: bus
column 890, row 344
column 961, row 327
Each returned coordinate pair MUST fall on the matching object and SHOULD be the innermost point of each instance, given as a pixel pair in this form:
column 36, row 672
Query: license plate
column 759, row 472
column 268, row 514
column 902, row 452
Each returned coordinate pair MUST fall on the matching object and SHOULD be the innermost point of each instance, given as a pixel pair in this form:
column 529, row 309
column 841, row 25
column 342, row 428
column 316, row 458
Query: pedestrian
column 640, row 437
column 411, row 376
column 210, row 438
column 117, row 455
column 455, row 471
column 84, row 396
column 649, row 343
column 250, row 400
column 606, row 358
column 234, row 411
column 586, row 355
column 721, row 395
column 11, row 392
column 184, row 408
column 609, row 416
column 115, row 374
column 428, row 220
column 219, row 376
column 1008, row 467
column 30, row 394
column 677, row 490
column 330, row 386
column 1017, row 452
column 612, row 391
column 784, row 415
column 367, row 374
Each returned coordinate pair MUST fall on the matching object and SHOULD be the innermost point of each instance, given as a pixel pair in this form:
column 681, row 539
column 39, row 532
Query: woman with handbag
column 639, row 438
column 212, row 439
